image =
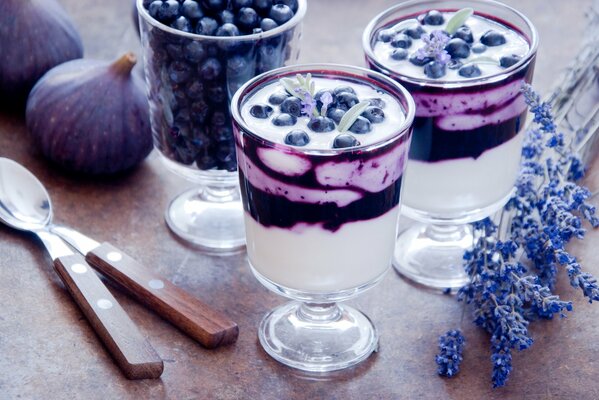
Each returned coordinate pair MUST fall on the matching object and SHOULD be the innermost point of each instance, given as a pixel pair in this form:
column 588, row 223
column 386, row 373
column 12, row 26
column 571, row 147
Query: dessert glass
column 456, row 175
column 343, row 204
column 190, row 80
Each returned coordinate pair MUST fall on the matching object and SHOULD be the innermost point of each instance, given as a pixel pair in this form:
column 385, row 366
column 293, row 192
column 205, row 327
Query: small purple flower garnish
column 308, row 102
column 326, row 99
column 434, row 47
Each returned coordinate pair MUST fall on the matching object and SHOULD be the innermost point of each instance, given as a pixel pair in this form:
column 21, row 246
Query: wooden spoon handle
column 191, row 315
column 131, row 351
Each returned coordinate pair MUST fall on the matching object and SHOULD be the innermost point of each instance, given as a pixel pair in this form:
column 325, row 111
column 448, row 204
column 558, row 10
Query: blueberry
column 154, row 7
column 262, row 6
column 415, row 32
column 297, row 137
column 227, row 29
column 239, row 4
column 206, row 26
column 360, row 125
column 293, row 4
column 346, row 100
column 206, row 162
column 175, row 51
column 181, row 24
column 280, row 13
column 194, row 52
column 457, row 48
column 219, row 118
column 434, row 69
column 399, row 54
column 376, row 102
column 191, row 9
column 454, row 63
column 267, row 24
column 168, row 10
column 262, row 111
column 374, row 114
column 179, row 71
column 414, row 59
column 433, row 17
column 469, row 71
column 210, row 69
column 147, row 3
column 508, row 61
column 216, row 93
column 492, row 38
column 345, row 140
column 464, row 33
column 195, row 90
column 199, row 111
column 402, row 41
column 346, row 89
column 247, row 18
column 321, row 124
column 214, row 5
column 478, row 48
column 238, row 66
column 292, row 105
column 335, row 114
column 277, row 98
column 284, row 120
column 226, row 17
column 385, row 35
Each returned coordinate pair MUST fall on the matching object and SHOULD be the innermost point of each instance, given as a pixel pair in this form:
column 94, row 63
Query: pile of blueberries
column 193, row 78
column 289, row 109
column 459, row 47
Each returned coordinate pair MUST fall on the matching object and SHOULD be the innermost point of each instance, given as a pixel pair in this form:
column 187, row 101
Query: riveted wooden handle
column 191, row 315
column 131, row 351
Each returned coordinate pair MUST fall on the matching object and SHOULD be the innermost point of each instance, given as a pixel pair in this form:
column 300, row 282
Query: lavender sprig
column 434, row 47
column 451, row 346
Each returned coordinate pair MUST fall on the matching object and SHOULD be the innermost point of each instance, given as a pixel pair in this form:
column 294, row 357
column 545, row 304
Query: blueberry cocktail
column 464, row 63
column 197, row 54
column 321, row 152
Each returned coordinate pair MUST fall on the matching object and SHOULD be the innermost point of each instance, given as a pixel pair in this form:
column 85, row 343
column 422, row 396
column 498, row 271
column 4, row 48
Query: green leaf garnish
column 458, row 20
column 300, row 82
column 352, row 115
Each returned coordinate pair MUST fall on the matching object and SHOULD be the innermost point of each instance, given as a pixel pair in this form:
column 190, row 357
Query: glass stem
column 446, row 233
column 320, row 313
column 219, row 193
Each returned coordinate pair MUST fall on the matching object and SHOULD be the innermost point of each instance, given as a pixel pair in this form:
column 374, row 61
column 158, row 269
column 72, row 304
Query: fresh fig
column 35, row 35
column 91, row 116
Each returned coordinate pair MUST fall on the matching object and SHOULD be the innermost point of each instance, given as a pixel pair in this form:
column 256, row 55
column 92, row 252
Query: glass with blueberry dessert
column 464, row 63
column 321, row 152
column 197, row 53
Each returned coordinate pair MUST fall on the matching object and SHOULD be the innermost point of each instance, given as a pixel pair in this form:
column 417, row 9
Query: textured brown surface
column 48, row 351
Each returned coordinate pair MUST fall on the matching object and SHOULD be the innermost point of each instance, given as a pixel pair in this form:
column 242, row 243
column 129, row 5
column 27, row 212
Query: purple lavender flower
column 434, row 47
column 308, row 102
column 326, row 99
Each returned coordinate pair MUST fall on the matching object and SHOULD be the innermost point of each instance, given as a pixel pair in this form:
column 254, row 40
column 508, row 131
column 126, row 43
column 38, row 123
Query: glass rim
column 295, row 20
column 468, row 82
column 403, row 129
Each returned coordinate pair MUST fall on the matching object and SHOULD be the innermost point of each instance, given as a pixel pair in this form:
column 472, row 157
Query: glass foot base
column 432, row 255
column 317, row 337
column 208, row 218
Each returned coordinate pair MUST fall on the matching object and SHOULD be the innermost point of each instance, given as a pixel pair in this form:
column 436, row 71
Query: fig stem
column 124, row 64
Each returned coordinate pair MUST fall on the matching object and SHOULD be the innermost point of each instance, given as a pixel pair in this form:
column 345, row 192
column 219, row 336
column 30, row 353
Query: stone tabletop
column 48, row 350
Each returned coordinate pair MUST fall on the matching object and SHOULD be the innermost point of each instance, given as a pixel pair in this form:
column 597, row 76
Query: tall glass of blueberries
column 197, row 53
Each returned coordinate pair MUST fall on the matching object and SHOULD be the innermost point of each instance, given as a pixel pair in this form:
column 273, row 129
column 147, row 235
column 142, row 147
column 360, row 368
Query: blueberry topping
column 345, row 140
column 508, row 61
column 454, row 63
column 402, row 41
column 191, row 9
column 469, row 71
column 434, row 69
column 168, row 10
column 262, row 111
column 415, row 32
column 377, row 102
column 335, row 114
column 399, row 54
column 284, row 120
column 280, row 13
column 457, row 48
column 414, row 59
column 464, row 33
column 194, row 52
column 321, row 124
column 179, row 71
column 492, row 38
column 374, row 114
column 239, row 4
column 277, row 98
column 433, row 17
column 206, row 26
column 297, row 137
column 478, row 48
column 226, row 17
column 346, row 100
column 267, row 24
column 341, row 89
column 214, row 5
column 154, row 7
column 360, row 125
column 292, row 105
column 293, row 4
column 227, row 29
column 182, row 24
column 247, row 18
column 210, row 69
column 385, row 35
column 262, row 6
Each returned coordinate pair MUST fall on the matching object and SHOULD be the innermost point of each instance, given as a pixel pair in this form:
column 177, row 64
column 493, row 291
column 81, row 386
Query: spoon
column 25, row 205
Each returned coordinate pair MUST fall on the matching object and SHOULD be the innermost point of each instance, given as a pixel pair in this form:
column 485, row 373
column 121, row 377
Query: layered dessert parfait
column 197, row 54
column 321, row 156
column 464, row 68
